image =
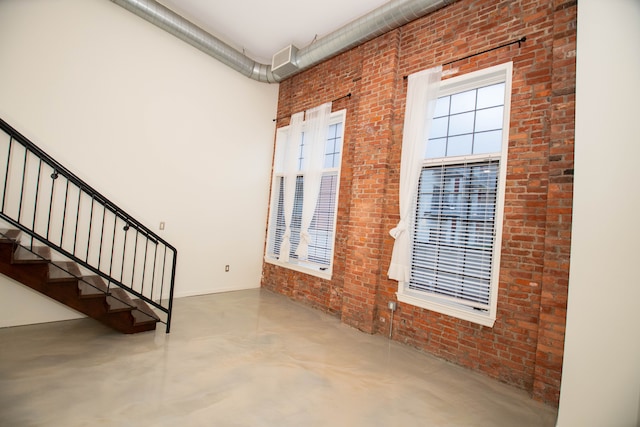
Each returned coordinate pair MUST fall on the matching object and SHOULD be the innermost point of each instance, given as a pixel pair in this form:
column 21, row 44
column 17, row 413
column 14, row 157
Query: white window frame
column 447, row 305
column 307, row 267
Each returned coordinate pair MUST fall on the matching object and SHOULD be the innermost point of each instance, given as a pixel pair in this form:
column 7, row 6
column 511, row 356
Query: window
column 319, row 260
column 457, row 227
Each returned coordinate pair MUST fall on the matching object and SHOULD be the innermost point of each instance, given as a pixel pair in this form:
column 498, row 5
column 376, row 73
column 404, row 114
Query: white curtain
column 290, row 173
column 315, row 137
column 422, row 94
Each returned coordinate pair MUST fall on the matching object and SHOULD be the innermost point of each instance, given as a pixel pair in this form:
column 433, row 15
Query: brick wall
column 524, row 348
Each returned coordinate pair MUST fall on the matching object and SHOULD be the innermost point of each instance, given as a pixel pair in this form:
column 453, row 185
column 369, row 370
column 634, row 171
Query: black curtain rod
column 519, row 41
column 337, row 99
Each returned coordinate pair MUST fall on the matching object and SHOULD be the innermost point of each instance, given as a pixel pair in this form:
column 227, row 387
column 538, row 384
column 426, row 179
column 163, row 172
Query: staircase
column 64, row 282
column 67, row 241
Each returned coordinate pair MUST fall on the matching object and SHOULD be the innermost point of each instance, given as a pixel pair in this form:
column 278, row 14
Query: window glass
column 459, row 145
column 439, row 127
column 464, row 101
column 489, row 119
column 461, row 123
column 490, row 96
column 442, row 107
column 487, row 142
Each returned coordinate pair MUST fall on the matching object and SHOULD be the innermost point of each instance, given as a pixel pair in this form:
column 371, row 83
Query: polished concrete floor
column 248, row 358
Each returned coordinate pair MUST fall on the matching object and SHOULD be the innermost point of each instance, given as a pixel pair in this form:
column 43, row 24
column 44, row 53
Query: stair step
column 119, row 300
column 37, row 254
column 143, row 308
column 140, row 318
column 63, row 272
column 64, row 282
column 92, row 286
column 9, row 236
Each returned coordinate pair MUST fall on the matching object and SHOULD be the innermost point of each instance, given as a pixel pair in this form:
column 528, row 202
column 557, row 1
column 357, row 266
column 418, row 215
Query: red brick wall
column 525, row 346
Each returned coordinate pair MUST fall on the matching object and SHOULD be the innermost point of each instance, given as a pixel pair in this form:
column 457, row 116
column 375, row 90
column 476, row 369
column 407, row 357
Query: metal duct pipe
column 387, row 17
column 381, row 20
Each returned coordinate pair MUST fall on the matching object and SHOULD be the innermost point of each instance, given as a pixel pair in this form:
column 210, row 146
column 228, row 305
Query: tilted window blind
column 454, row 232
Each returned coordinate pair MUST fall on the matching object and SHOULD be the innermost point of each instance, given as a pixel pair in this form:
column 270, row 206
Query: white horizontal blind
column 454, row 232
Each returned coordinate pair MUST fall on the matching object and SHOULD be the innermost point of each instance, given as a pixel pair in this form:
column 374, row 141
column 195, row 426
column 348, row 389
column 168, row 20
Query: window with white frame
column 321, row 230
column 457, row 227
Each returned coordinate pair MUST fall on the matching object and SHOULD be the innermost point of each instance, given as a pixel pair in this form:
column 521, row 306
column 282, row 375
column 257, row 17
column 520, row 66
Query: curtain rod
column 337, row 99
column 519, row 41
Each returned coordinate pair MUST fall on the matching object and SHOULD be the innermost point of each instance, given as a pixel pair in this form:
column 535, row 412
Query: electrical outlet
column 161, row 225
column 226, row 268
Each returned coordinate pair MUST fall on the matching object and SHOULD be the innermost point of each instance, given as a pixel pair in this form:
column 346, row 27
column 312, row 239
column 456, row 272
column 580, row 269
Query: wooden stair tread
column 63, row 272
column 38, row 254
column 92, row 286
column 144, row 308
column 9, row 236
column 141, row 318
column 119, row 300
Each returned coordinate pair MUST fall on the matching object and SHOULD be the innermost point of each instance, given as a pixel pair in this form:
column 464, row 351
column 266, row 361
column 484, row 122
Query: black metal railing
column 53, row 206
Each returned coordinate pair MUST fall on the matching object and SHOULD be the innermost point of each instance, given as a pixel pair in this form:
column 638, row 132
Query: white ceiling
column 262, row 28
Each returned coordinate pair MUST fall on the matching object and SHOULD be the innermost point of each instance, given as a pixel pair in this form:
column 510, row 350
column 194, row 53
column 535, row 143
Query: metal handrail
column 107, row 228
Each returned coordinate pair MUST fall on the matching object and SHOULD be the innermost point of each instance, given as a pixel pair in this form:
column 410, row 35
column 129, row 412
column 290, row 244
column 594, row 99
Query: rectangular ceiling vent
column 282, row 61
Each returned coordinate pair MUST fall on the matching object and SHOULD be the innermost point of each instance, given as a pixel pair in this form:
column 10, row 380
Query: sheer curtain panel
column 422, row 93
column 290, row 166
column 315, row 138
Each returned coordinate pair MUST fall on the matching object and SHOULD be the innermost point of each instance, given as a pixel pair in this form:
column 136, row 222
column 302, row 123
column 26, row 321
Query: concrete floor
column 248, row 358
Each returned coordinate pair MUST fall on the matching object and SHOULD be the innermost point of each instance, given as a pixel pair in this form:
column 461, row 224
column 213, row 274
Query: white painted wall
column 163, row 130
column 601, row 374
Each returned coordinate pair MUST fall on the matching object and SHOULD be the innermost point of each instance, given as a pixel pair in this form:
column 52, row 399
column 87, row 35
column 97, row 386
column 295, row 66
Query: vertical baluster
column 54, row 177
column 64, row 213
column 144, row 267
column 35, row 204
column 164, row 267
column 6, row 174
column 135, row 254
column 153, row 274
column 75, row 233
column 24, row 173
column 113, row 242
column 104, row 214
column 86, row 258
column 124, row 251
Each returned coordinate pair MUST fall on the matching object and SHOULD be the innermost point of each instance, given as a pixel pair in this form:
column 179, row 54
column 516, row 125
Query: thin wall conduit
column 381, row 20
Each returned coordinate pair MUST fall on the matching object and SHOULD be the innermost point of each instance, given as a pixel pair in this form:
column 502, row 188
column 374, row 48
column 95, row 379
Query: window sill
column 302, row 267
column 449, row 309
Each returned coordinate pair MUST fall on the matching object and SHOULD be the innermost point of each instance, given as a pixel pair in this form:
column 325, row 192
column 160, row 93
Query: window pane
column 487, row 142
column 489, row 119
column 442, row 107
column 463, row 101
column 439, row 127
column 333, row 147
column 491, row 96
column 436, row 148
column 461, row 123
column 459, row 145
